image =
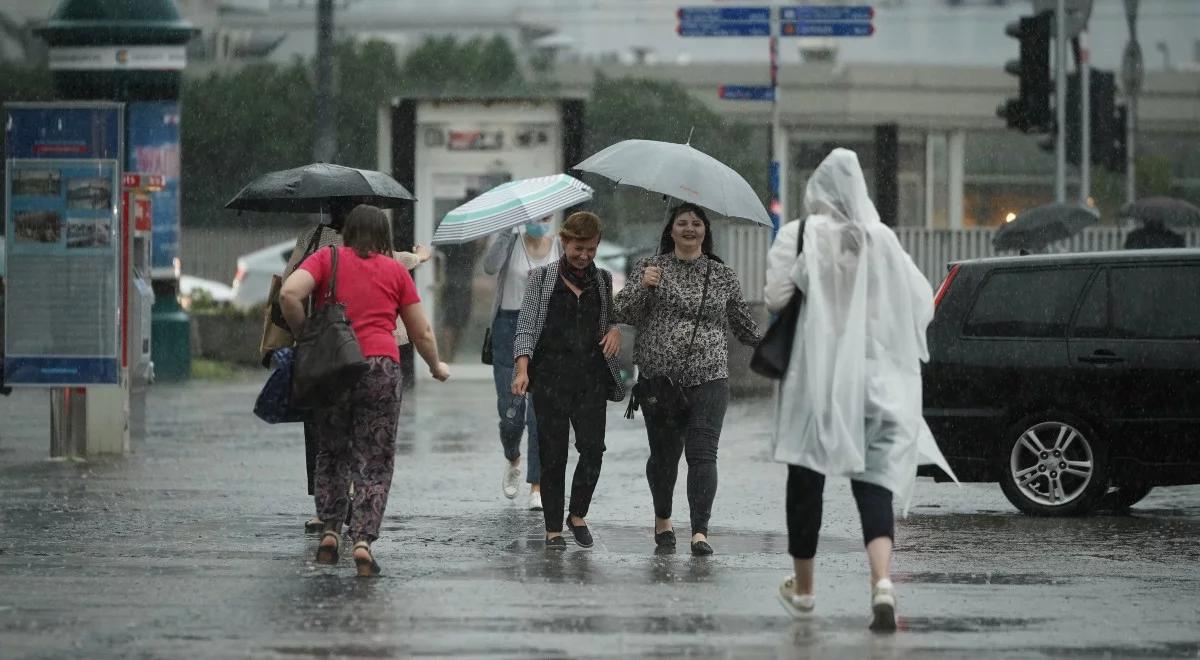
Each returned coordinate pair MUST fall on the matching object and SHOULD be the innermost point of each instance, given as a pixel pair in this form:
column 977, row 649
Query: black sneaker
column 583, row 537
column 556, row 543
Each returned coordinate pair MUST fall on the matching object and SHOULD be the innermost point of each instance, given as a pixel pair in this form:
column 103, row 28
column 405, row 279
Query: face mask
column 536, row 229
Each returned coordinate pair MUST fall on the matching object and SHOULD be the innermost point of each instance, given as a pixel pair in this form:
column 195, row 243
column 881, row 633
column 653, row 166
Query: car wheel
column 1124, row 496
column 1054, row 465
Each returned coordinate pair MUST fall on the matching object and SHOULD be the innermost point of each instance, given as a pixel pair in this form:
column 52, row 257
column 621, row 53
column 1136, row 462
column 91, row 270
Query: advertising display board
column 153, row 148
column 62, row 314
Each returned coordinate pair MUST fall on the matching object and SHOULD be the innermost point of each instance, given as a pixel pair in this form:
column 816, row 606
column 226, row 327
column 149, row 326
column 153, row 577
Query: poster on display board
column 153, row 148
column 63, row 244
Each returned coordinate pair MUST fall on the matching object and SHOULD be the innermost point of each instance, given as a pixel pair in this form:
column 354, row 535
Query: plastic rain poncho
column 850, row 404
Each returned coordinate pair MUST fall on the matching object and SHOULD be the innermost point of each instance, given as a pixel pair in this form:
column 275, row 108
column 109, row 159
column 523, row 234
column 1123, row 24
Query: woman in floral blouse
column 679, row 340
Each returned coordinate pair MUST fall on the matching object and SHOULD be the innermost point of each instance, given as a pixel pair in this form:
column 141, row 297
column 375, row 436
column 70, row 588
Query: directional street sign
column 826, row 13
column 725, row 29
column 811, row 29
column 746, row 92
column 723, row 14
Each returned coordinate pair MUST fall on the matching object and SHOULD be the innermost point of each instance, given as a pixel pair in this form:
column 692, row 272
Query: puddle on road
column 1018, row 579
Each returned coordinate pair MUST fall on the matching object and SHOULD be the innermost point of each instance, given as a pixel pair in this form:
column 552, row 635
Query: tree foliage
column 238, row 124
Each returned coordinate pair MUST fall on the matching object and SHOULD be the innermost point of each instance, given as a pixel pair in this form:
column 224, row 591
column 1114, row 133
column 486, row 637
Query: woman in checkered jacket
column 565, row 352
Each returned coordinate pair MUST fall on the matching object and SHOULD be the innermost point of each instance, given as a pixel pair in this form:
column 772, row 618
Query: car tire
column 1053, row 464
column 1124, row 496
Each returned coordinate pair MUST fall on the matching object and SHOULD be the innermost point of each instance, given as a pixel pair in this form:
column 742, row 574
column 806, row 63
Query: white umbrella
column 679, row 171
column 510, row 204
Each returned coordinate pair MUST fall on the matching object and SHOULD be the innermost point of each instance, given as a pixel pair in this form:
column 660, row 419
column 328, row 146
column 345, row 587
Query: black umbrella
column 1040, row 226
column 311, row 188
column 1163, row 210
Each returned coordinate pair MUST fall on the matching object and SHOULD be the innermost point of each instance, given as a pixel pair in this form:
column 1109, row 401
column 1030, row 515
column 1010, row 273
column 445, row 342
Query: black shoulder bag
column 662, row 393
column 773, row 353
column 329, row 361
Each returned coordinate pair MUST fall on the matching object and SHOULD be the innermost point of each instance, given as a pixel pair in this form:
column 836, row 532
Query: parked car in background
column 1073, row 379
column 191, row 288
column 252, row 279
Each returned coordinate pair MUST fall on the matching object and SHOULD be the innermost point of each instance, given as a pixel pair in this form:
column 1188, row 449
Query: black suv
column 1072, row 379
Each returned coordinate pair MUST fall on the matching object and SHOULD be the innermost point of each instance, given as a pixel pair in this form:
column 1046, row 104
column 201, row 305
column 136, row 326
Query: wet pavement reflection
column 192, row 547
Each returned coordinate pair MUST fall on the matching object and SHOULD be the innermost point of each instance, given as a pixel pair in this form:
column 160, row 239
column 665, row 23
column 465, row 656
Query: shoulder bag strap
column 700, row 310
column 331, row 294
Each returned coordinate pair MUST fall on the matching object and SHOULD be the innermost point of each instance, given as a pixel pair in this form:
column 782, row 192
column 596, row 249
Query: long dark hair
column 367, row 231
column 666, row 244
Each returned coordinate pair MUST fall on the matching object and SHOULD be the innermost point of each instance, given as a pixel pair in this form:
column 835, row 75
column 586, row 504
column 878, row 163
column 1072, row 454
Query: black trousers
column 561, row 404
column 804, row 495
column 693, row 433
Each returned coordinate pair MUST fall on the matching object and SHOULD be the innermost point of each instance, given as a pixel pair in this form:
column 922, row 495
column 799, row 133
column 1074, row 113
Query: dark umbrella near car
column 312, row 188
column 1040, row 226
column 1166, row 211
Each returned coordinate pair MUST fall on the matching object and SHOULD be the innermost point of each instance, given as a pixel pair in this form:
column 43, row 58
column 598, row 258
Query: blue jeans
column 504, row 328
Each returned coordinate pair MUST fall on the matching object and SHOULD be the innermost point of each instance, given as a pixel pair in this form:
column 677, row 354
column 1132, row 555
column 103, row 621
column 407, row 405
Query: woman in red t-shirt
column 356, row 433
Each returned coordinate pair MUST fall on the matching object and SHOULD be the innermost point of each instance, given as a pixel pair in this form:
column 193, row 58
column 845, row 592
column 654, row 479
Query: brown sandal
column 328, row 554
column 367, row 567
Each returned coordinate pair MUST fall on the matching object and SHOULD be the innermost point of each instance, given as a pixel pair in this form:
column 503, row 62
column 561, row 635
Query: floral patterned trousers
column 357, row 442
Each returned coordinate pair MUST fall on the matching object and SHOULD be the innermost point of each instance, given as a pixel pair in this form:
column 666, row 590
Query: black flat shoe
column 583, row 537
column 666, row 538
column 701, row 548
column 367, row 567
column 328, row 554
column 556, row 543
column 313, row 526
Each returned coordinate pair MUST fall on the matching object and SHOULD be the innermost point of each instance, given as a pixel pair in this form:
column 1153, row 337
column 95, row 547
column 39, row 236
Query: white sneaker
column 535, row 500
column 883, row 606
column 797, row 606
column 512, row 479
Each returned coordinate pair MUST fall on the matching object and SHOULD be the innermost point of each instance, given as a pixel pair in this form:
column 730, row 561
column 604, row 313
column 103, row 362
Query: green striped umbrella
column 510, row 204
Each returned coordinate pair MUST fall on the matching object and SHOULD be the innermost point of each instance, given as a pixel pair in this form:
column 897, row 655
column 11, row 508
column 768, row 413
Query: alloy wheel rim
column 1052, row 464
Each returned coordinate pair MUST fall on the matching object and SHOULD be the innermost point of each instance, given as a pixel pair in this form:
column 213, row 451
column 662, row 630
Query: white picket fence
column 744, row 248
column 212, row 252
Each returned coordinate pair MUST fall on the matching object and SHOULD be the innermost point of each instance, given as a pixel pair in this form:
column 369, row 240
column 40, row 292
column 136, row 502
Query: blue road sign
column 746, row 92
column 726, row 29
column 810, row 29
column 826, row 13
column 720, row 14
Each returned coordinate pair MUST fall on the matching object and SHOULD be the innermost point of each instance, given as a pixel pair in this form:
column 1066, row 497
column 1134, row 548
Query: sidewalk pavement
column 193, row 547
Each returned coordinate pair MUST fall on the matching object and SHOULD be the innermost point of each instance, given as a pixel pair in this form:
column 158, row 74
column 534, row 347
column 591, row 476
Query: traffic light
column 1120, row 145
column 1107, row 127
column 1030, row 111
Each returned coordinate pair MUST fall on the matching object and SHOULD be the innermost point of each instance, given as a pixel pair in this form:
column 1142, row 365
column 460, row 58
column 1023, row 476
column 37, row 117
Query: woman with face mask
column 510, row 258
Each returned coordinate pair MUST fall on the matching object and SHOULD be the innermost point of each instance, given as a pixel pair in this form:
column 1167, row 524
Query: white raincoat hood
column 851, row 398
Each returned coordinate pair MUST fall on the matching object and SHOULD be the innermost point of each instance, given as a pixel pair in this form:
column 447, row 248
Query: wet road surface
column 193, row 547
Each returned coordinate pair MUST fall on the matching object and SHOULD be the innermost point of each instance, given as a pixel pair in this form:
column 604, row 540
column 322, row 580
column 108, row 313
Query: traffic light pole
column 1060, row 102
column 1085, row 120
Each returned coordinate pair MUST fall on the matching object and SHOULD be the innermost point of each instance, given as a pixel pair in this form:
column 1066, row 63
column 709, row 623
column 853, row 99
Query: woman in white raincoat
column 850, row 405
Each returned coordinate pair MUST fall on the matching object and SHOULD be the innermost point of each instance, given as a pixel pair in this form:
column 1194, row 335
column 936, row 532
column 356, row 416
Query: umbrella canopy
column 510, row 204
column 311, row 188
column 1163, row 210
column 1042, row 225
column 679, row 171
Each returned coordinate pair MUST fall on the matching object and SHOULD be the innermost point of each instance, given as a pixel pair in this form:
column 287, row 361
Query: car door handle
column 1101, row 357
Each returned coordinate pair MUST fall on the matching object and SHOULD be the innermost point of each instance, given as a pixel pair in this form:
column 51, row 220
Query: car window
column 1092, row 318
column 1026, row 303
column 1156, row 302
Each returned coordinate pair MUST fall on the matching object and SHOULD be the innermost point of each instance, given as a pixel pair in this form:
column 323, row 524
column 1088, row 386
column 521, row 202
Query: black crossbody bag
column 774, row 352
column 662, row 393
